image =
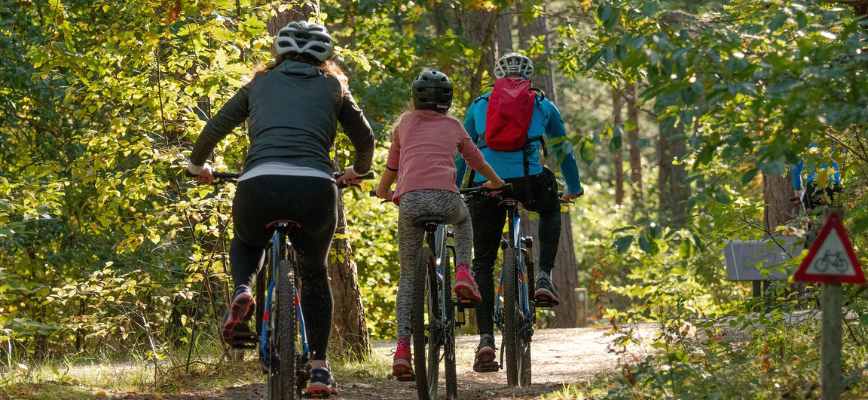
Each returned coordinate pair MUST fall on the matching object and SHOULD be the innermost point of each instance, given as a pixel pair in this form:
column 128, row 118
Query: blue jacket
column 546, row 120
column 796, row 175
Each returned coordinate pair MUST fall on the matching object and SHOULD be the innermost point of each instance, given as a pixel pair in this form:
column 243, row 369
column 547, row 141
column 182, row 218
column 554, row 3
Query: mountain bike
column 435, row 315
column 514, row 310
column 280, row 335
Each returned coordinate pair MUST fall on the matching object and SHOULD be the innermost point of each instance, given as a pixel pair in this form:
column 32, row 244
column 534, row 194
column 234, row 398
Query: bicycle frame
column 515, row 242
column 439, row 246
column 280, row 248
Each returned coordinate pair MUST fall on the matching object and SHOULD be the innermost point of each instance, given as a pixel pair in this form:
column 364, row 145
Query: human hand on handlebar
column 569, row 197
column 385, row 193
column 494, row 185
column 349, row 177
column 204, row 174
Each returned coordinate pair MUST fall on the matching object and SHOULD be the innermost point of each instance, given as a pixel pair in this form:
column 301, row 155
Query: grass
column 98, row 379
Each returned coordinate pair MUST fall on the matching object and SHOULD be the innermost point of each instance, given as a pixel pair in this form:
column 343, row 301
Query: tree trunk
column 672, row 185
column 618, row 153
column 291, row 10
column 504, row 32
column 349, row 330
column 777, row 194
column 565, row 274
column 633, row 140
column 350, row 333
column 479, row 26
column 544, row 76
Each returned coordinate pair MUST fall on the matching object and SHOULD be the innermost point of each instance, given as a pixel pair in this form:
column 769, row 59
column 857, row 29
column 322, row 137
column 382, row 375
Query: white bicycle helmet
column 513, row 64
column 302, row 37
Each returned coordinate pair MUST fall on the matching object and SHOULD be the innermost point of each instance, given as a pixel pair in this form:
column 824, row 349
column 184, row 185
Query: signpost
column 831, row 261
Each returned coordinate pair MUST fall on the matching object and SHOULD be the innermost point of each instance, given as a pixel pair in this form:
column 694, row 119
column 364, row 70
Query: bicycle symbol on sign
column 833, row 260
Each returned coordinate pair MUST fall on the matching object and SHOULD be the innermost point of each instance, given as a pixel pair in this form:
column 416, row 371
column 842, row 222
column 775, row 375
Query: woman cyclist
column 292, row 109
column 421, row 158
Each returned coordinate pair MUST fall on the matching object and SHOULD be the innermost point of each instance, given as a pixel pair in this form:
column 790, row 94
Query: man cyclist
column 292, row 108
column 509, row 125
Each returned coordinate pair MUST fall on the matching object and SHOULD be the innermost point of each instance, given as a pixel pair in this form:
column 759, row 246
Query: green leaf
column 749, row 176
column 622, row 244
column 604, row 12
column 617, row 139
column 778, row 21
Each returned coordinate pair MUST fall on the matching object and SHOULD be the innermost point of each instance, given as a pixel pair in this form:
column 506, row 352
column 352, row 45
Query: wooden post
column 831, row 347
column 581, row 307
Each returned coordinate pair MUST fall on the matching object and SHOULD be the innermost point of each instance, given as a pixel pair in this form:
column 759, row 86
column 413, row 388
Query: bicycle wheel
column 449, row 332
column 511, row 316
column 426, row 346
column 281, row 377
column 524, row 362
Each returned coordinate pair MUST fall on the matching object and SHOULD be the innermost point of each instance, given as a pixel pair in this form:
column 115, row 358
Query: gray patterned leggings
column 415, row 204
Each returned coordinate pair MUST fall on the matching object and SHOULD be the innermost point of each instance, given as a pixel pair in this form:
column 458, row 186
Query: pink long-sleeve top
column 423, row 150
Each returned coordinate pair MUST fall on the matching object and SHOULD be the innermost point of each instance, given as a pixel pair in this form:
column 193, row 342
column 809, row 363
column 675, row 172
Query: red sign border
column 833, row 222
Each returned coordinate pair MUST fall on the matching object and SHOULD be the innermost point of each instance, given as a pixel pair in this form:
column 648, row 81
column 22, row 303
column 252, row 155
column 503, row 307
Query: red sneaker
column 239, row 311
column 402, row 367
column 466, row 289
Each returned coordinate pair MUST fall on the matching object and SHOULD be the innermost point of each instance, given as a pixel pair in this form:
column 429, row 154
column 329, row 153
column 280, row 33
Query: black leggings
column 537, row 193
column 312, row 202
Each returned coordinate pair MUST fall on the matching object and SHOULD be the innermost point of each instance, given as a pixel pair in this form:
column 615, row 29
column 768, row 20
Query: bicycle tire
column 525, row 362
column 510, row 316
column 425, row 347
column 451, row 374
column 281, row 380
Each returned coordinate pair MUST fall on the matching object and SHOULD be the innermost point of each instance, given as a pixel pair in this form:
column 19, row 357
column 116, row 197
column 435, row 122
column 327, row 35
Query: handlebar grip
column 367, row 176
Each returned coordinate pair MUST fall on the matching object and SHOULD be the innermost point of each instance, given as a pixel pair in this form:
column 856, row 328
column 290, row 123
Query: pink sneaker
column 402, row 369
column 466, row 289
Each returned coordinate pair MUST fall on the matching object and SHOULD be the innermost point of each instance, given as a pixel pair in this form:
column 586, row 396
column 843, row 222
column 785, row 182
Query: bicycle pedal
column 464, row 305
column 544, row 304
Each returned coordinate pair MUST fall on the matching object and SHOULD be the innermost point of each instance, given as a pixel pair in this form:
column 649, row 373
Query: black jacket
column 293, row 112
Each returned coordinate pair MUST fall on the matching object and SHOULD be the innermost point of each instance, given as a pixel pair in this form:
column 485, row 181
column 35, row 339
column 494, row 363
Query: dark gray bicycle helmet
column 302, row 37
column 432, row 90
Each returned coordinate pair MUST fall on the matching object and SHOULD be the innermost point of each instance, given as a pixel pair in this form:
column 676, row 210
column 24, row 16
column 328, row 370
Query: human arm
column 471, row 155
column 384, row 189
column 232, row 114
column 361, row 135
column 563, row 149
column 470, row 128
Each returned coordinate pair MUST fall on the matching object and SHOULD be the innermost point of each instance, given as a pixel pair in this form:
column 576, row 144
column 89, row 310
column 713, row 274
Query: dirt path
column 560, row 356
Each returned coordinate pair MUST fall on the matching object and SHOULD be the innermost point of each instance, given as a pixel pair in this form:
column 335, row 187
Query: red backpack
column 510, row 108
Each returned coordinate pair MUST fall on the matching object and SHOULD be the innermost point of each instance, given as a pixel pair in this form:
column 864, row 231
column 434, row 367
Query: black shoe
column 486, row 354
column 545, row 294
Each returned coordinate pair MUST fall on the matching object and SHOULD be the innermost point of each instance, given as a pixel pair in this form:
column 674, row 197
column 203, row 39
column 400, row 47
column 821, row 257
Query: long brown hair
column 328, row 67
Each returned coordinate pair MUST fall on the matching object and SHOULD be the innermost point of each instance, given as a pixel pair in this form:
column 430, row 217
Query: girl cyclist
column 292, row 109
column 421, row 158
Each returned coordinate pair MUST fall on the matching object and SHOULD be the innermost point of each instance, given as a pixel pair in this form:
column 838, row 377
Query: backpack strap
column 526, row 152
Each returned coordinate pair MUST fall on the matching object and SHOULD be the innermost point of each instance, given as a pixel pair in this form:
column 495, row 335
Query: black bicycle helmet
column 432, row 90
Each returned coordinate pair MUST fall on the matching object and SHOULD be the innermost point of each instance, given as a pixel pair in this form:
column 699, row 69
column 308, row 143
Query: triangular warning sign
column 831, row 258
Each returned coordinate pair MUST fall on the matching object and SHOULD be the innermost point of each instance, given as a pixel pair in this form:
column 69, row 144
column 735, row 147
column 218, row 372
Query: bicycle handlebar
column 482, row 189
column 233, row 176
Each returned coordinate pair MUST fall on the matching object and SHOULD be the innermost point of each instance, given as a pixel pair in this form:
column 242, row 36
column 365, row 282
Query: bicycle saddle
column 424, row 220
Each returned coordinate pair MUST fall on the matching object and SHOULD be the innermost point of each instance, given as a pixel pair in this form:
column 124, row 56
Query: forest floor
column 560, row 357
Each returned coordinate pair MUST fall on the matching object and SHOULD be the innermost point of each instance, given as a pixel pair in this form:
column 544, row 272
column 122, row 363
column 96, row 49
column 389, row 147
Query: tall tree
column 777, row 195
column 633, row 141
column 504, row 31
column 618, row 149
column 350, row 334
column 565, row 274
column 672, row 185
column 479, row 26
